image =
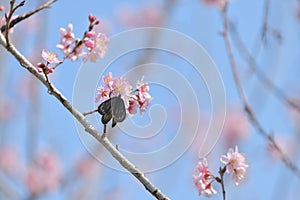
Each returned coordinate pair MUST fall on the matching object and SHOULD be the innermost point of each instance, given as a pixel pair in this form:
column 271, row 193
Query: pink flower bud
column 90, row 34
column 89, row 44
column 92, row 18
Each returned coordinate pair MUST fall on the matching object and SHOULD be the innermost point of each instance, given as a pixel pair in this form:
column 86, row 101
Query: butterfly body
column 113, row 108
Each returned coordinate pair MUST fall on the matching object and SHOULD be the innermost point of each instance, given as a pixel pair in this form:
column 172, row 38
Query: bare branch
column 247, row 106
column 279, row 93
column 87, row 126
column 26, row 15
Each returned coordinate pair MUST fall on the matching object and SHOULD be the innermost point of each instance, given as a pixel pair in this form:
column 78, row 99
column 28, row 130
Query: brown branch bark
column 247, row 107
column 26, row 15
column 87, row 126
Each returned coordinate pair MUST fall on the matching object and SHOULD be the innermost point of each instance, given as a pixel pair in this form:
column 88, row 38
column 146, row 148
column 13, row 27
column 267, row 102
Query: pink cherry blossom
column 8, row 159
column 203, row 179
column 2, row 8
column 143, row 96
column 44, row 174
column 236, row 126
column 133, row 99
column 236, row 164
column 218, row 3
column 49, row 57
column 97, row 47
column 86, row 167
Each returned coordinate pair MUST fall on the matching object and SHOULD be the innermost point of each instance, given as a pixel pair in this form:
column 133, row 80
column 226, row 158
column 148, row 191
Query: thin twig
column 247, row 106
column 26, row 15
column 87, row 126
column 90, row 112
column 280, row 94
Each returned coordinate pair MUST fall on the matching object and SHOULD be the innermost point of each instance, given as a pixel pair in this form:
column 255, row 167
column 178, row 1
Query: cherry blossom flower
column 219, row 3
column 97, row 47
column 149, row 15
column 49, row 57
column 44, row 174
column 8, row 158
column 236, row 126
column 86, row 167
column 143, row 96
column 133, row 99
column 2, row 8
column 236, row 164
column 203, row 179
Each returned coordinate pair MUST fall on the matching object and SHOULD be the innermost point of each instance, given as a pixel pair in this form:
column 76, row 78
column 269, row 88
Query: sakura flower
column 219, row 3
column 236, row 126
column 97, row 47
column 2, row 8
column 133, row 99
column 143, row 96
column 49, row 57
column 203, row 179
column 44, row 174
column 236, row 164
column 8, row 159
column 86, row 167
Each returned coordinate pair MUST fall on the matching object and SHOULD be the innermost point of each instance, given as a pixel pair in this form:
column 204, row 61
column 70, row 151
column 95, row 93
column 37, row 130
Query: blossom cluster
column 92, row 46
column 134, row 100
column 235, row 164
column 44, row 174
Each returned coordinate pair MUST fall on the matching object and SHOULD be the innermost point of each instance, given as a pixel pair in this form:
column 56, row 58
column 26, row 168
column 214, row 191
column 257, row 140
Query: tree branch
column 87, row 126
column 244, row 100
column 26, row 15
column 279, row 93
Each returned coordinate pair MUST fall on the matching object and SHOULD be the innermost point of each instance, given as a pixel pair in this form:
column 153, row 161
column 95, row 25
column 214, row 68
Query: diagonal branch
column 279, row 93
column 87, row 126
column 287, row 161
column 26, row 15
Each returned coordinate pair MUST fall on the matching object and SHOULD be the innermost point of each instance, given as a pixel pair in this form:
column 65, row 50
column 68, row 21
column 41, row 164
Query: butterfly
column 113, row 108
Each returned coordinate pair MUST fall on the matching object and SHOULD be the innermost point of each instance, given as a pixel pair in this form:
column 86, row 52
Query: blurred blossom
column 97, row 46
column 148, row 15
column 9, row 158
column 87, row 167
column 44, row 175
column 287, row 146
column 236, row 164
column 236, row 126
column 133, row 99
column 218, row 3
column 2, row 8
column 6, row 109
column 203, row 179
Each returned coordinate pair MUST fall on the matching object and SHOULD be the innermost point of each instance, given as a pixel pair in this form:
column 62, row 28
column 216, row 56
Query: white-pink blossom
column 97, row 47
column 236, row 164
column 49, row 57
column 133, row 99
column 203, row 179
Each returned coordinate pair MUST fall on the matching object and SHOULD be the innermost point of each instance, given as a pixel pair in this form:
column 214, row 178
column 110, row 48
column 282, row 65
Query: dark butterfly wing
column 105, row 107
column 106, row 118
column 118, row 109
column 114, row 123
